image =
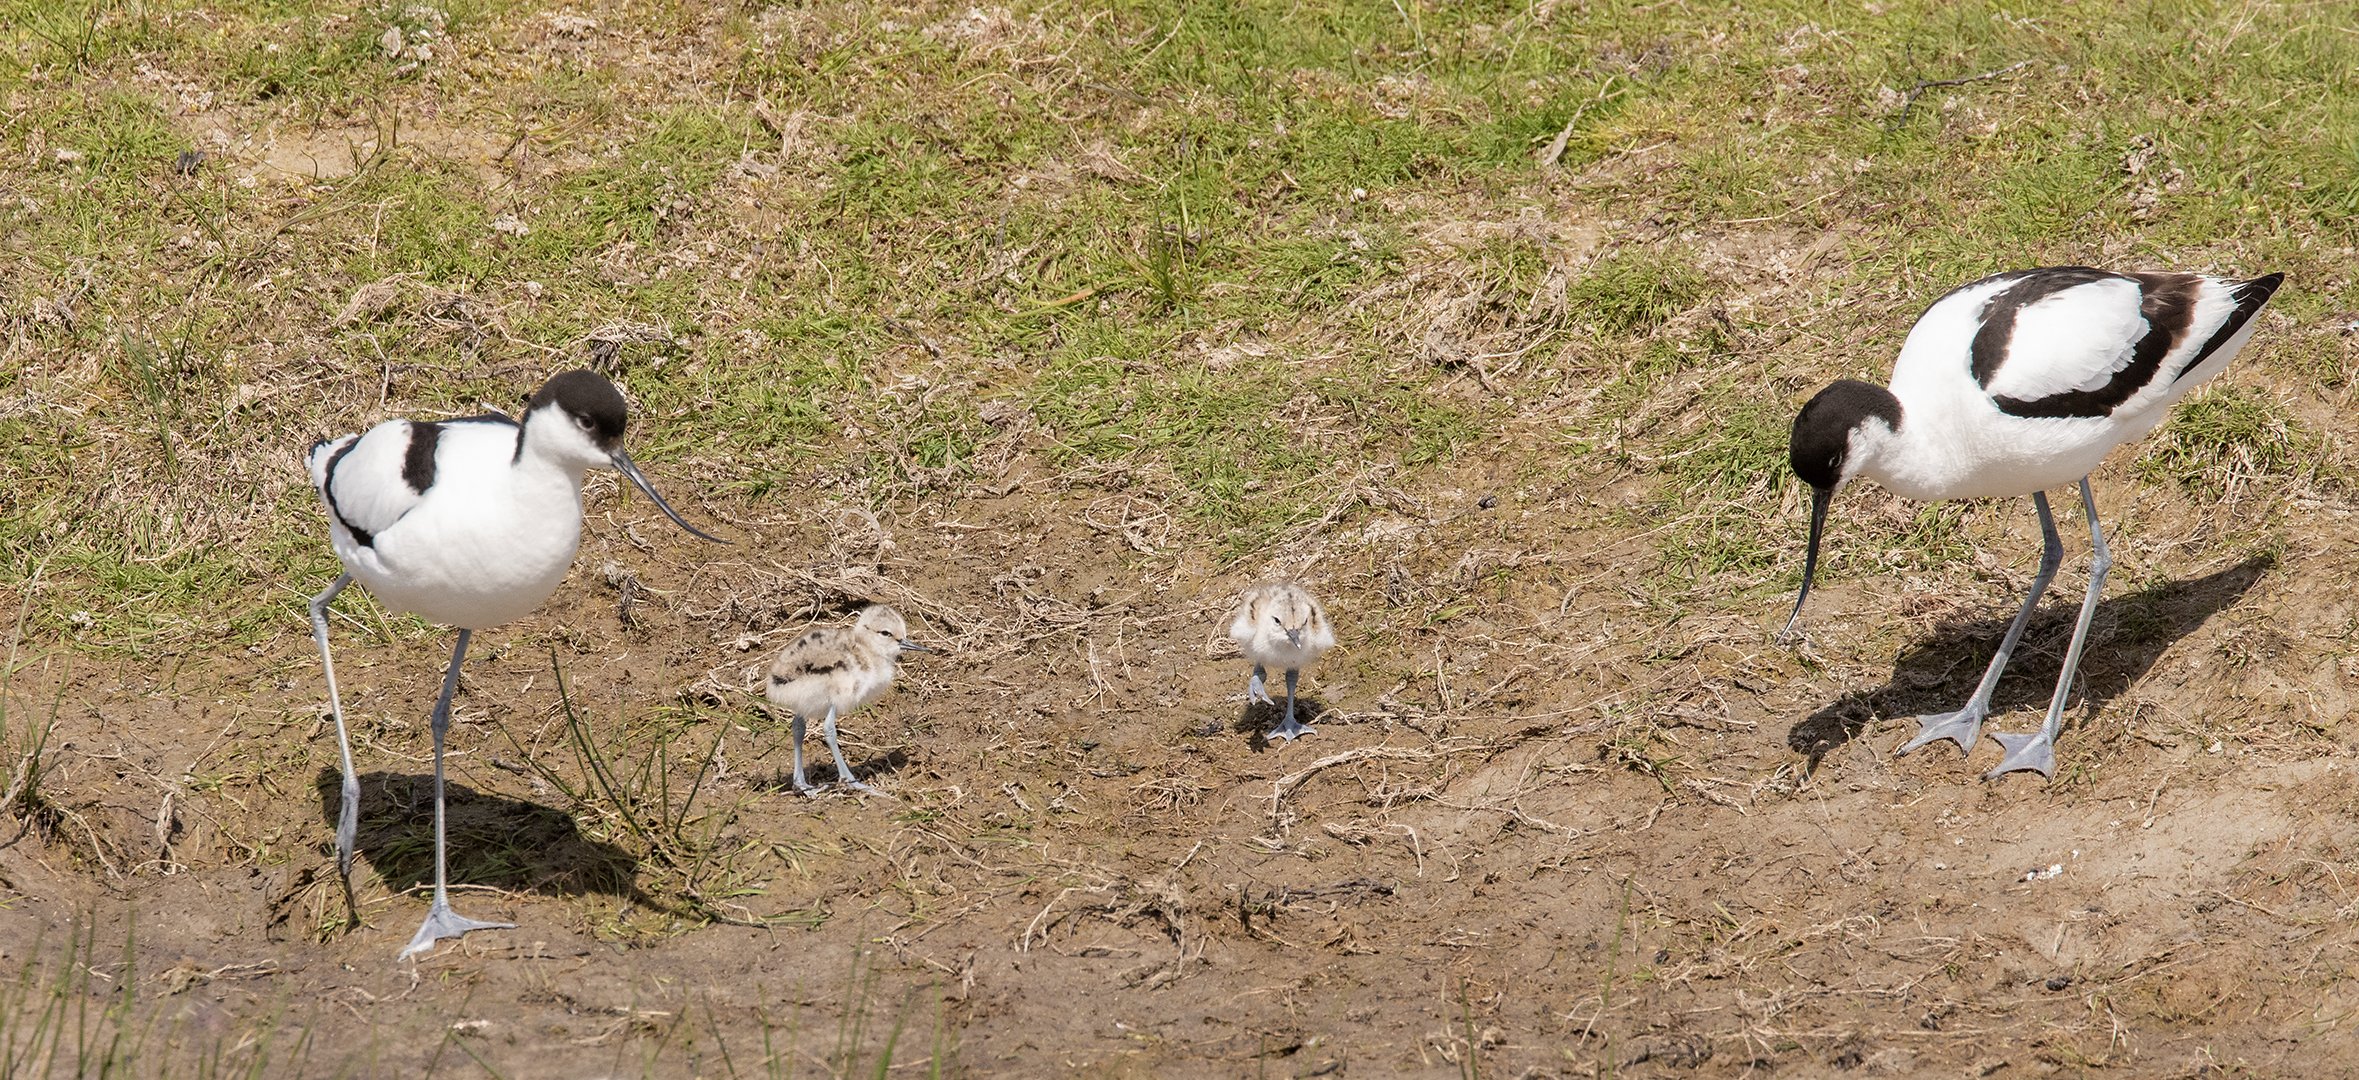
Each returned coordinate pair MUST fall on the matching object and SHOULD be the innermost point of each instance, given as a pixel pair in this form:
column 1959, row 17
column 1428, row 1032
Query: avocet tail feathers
column 2249, row 296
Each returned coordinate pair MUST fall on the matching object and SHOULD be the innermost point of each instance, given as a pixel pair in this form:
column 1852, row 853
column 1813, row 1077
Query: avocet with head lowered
column 2010, row 386
column 470, row 523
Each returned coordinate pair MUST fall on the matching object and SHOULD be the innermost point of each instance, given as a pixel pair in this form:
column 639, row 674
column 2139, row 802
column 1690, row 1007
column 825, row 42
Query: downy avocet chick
column 832, row 671
column 1278, row 624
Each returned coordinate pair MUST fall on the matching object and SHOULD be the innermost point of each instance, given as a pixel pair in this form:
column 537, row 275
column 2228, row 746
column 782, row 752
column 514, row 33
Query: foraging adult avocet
column 1280, row 624
column 2010, row 386
column 470, row 523
column 833, row 671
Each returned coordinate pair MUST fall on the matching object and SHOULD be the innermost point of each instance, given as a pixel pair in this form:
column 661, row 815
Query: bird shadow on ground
column 1256, row 719
column 1938, row 674
column 820, row 771
column 508, row 843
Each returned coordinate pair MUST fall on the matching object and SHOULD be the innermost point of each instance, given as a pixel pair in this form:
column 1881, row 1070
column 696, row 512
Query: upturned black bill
column 622, row 464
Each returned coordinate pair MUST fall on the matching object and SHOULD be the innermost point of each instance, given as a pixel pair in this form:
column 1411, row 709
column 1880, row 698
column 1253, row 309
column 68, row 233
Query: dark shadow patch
column 2126, row 636
column 820, row 769
column 1256, row 719
column 508, row 843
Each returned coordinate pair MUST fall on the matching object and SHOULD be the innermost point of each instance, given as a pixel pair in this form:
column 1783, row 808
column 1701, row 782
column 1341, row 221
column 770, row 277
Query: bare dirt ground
column 1090, row 864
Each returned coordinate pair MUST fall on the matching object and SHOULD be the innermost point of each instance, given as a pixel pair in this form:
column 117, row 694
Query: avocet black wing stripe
column 1994, row 342
column 2166, row 304
column 501, row 419
column 362, row 536
column 2076, row 342
column 417, row 463
column 374, row 480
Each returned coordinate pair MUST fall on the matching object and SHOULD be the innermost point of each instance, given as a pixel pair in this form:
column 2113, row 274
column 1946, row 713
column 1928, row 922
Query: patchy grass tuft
column 2223, row 439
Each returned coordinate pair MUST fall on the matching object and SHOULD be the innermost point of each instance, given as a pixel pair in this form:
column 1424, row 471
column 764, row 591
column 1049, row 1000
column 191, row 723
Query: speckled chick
column 832, row 671
column 1279, row 624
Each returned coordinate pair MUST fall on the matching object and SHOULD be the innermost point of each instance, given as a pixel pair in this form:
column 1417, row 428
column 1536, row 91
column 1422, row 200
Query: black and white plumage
column 1279, row 624
column 2012, row 385
column 832, row 671
column 470, row 523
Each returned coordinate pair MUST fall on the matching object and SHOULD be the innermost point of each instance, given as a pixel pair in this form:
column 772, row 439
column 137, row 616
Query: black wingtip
column 2254, row 293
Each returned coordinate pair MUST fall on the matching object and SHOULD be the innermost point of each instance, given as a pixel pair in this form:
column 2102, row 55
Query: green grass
column 1634, row 291
column 1189, row 175
column 2227, row 437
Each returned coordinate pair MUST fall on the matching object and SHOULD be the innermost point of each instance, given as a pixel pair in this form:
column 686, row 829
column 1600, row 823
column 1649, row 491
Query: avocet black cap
column 592, row 400
column 589, row 398
column 1820, row 449
column 1822, row 431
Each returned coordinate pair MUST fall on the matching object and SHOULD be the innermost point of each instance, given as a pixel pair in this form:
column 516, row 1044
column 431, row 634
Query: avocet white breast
column 833, row 671
column 1280, row 624
column 2010, row 386
column 470, row 523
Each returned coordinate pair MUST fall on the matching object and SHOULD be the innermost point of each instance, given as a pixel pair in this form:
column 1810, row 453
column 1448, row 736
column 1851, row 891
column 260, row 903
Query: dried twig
column 1365, row 753
column 1555, row 148
column 1909, row 99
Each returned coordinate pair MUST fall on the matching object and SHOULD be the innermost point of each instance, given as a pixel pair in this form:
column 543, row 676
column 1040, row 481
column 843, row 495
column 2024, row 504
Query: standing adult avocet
column 470, row 523
column 2010, row 386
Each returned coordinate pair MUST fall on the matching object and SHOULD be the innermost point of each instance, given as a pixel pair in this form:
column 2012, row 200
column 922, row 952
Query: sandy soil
column 1090, row 863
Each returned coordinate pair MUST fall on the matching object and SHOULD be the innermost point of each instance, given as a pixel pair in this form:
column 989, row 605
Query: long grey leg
column 1291, row 727
column 1257, row 688
column 441, row 921
column 801, row 784
column 348, row 819
column 1965, row 725
column 2037, row 751
column 843, row 772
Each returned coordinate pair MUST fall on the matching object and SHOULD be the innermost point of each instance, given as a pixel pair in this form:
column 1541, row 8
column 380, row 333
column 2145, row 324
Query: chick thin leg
column 843, row 772
column 1290, row 727
column 1257, row 688
column 802, row 783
